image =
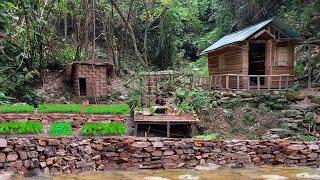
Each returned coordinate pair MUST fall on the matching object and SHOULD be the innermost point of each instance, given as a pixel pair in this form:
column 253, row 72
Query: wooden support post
column 227, row 81
column 210, row 82
column 238, row 82
column 258, row 81
column 280, row 82
column 135, row 129
column 287, row 82
column 248, row 82
column 215, row 82
column 168, row 129
column 269, row 77
column 192, row 130
column 220, row 80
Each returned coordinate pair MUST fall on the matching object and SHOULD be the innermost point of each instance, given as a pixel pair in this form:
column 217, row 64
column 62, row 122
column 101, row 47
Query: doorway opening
column 82, row 87
column 257, row 58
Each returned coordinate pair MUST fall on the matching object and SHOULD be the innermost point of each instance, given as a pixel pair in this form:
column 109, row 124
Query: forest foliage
column 36, row 36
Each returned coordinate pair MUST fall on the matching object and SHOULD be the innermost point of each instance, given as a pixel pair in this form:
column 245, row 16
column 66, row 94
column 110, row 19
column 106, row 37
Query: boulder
column 307, row 176
column 157, row 144
column 296, row 96
column 3, row 143
column 154, row 178
column 296, row 147
column 12, row 157
column 272, row 177
column 2, row 158
column 207, row 167
column 188, row 177
column 291, row 113
column 140, row 144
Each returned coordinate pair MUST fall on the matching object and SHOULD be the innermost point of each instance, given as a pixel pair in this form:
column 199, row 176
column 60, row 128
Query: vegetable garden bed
column 68, row 109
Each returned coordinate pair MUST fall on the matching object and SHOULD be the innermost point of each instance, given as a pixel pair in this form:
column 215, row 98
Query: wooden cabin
column 90, row 79
column 258, row 57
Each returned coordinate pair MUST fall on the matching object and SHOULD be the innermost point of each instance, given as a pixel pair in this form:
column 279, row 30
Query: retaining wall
column 74, row 155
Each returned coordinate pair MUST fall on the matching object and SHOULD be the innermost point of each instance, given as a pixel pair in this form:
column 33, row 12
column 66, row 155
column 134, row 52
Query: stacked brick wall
column 96, row 79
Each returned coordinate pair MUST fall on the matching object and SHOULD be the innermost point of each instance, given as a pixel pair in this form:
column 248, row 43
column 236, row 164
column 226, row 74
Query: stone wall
column 73, row 155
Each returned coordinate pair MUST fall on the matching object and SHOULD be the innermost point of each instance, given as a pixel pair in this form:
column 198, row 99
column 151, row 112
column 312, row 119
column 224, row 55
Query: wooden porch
column 245, row 82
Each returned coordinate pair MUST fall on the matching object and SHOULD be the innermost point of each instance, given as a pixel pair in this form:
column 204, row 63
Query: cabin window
column 221, row 61
column 82, row 87
column 282, row 54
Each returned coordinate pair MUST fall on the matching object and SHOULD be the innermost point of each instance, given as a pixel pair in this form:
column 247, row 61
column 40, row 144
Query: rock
column 296, row 96
column 313, row 146
column 244, row 94
column 2, row 158
column 309, row 116
column 155, row 178
column 202, row 162
column 291, row 113
column 208, row 167
column 140, row 144
column 12, row 157
column 156, row 153
column 296, row 147
column 307, row 176
column 32, row 154
column 50, row 152
column 3, row 143
column 168, row 153
column 281, row 132
column 272, row 177
column 157, row 144
column 188, row 177
column 6, row 175
column 23, row 155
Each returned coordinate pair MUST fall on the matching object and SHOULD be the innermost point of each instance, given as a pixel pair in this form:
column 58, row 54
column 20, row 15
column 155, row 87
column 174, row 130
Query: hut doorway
column 82, row 87
column 257, row 58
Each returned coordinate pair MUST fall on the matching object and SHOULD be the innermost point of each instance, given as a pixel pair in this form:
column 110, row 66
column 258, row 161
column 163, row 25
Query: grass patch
column 60, row 108
column 61, row 129
column 103, row 129
column 109, row 109
column 16, row 109
column 209, row 137
column 21, row 128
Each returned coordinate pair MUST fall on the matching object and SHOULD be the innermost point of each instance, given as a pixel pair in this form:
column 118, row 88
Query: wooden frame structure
column 166, row 120
column 260, row 57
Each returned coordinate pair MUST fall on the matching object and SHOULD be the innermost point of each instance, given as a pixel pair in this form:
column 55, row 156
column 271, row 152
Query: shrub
column 210, row 137
column 21, row 128
column 110, row 109
column 103, row 129
column 248, row 119
column 16, row 109
column 61, row 129
column 59, row 108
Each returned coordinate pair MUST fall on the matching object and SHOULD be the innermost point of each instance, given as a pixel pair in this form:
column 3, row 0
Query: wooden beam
column 135, row 129
column 168, row 129
column 238, row 82
column 258, row 81
column 227, row 81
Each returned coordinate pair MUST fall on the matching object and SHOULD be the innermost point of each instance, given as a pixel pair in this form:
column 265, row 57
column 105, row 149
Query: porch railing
column 245, row 82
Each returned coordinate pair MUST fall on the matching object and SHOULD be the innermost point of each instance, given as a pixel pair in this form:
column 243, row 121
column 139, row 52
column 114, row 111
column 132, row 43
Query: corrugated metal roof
column 243, row 34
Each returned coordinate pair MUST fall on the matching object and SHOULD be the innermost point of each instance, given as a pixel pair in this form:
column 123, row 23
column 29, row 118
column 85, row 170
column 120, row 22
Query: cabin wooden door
column 257, row 58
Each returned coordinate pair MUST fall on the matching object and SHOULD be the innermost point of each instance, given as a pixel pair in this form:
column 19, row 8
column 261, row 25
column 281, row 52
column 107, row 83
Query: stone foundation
column 74, row 155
